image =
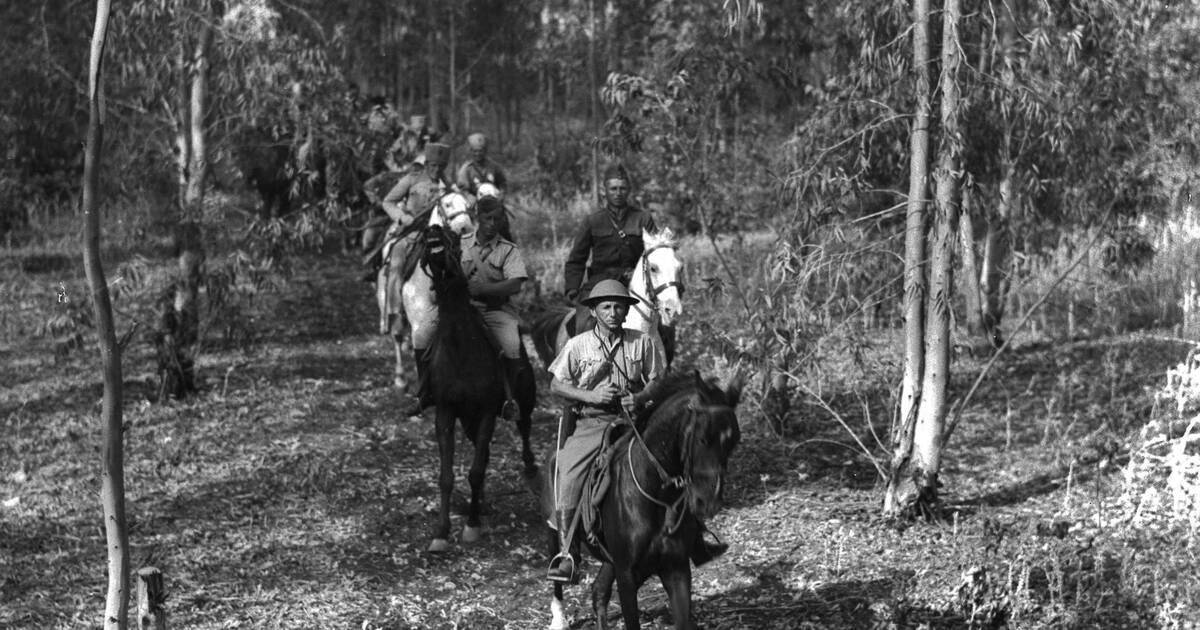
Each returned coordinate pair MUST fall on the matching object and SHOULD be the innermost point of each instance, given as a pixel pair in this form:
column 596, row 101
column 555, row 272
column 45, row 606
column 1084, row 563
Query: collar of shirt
column 485, row 248
column 618, row 214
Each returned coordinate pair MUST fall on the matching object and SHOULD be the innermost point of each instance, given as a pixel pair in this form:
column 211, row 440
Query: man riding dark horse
column 599, row 371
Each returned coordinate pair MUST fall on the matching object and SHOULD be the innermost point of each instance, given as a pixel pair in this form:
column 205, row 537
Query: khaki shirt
column 584, row 362
column 494, row 261
column 413, row 194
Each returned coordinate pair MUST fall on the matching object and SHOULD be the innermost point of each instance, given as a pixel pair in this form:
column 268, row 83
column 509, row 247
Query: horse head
column 453, row 211
column 658, row 277
column 710, row 435
column 441, row 254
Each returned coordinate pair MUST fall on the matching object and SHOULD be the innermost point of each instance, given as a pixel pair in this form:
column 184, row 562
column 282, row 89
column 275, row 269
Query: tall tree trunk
column 914, row 243
column 183, row 139
column 998, row 240
column 593, row 102
column 179, row 320
column 914, row 481
column 453, row 73
column 112, row 483
column 997, row 248
column 431, row 64
column 969, row 279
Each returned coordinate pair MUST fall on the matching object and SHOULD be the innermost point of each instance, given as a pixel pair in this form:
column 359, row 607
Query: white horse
column 657, row 283
column 406, row 306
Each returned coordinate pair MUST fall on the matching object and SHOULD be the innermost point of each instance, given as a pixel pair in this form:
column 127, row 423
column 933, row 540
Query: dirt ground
column 293, row 494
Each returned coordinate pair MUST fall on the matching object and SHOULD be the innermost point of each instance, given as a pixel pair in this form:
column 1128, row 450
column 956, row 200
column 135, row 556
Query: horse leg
column 677, row 581
column 667, row 335
column 445, row 439
column 398, row 374
column 602, row 593
column 627, row 589
column 483, row 445
column 527, row 395
column 558, row 614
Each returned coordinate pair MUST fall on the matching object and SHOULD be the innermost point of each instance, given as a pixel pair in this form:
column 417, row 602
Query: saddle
column 598, row 480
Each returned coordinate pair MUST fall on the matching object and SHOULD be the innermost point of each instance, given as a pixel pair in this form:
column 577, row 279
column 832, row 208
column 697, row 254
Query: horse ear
column 733, row 390
column 709, row 391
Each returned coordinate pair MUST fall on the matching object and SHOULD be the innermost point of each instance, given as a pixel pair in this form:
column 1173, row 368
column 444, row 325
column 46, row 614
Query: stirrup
column 510, row 410
column 562, row 569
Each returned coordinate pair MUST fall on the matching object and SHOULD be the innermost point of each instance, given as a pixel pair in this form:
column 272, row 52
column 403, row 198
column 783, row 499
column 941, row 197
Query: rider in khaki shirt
column 496, row 271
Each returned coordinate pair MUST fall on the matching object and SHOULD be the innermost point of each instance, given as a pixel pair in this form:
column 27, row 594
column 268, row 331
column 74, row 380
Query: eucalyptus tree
column 1068, row 106
column 112, row 490
column 913, row 478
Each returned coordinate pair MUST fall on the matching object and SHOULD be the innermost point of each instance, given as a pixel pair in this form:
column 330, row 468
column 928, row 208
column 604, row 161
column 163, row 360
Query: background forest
column 1054, row 484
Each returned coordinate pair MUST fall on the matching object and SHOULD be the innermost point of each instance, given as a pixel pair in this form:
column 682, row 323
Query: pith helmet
column 477, row 141
column 609, row 290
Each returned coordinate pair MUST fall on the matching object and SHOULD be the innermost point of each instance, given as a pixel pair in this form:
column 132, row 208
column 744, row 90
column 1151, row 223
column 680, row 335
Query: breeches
column 502, row 325
column 504, row 328
column 575, row 458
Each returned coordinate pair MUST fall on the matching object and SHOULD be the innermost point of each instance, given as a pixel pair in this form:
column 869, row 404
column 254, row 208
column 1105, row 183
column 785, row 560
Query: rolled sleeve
column 563, row 367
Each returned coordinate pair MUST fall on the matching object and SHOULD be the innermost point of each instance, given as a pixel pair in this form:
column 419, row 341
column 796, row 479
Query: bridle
column 447, row 217
column 652, row 290
column 682, row 481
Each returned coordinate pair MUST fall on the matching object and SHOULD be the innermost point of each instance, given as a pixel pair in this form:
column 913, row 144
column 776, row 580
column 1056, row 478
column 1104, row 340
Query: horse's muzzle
column 705, row 496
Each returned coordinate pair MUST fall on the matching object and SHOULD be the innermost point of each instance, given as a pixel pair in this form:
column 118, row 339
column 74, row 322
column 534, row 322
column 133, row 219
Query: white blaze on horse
column 407, row 310
column 657, row 283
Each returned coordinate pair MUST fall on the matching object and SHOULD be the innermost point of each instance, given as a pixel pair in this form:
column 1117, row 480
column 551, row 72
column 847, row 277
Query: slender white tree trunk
column 112, row 483
column 914, row 481
column 914, row 252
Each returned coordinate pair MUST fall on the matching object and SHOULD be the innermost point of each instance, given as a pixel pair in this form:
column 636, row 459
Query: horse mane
column 461, row 331
column 678, row 384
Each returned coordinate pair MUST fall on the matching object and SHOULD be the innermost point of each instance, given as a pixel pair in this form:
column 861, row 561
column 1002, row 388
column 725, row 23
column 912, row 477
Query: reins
column 681, row 481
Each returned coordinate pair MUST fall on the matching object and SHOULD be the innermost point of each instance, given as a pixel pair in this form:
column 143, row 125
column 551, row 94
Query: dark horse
column 466, row 382
column 665, row 479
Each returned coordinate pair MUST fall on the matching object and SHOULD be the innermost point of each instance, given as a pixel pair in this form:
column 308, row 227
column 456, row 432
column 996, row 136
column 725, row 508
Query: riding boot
column 562, row 567
column 702, row 551
column 512, row 375
column 424, row 397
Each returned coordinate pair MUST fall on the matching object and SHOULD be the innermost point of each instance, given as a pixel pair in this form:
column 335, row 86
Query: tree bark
column 997, row 248
column 970, row 268
column 431, row 64
column 913, row 487
column 112, row 484
column 593, row 102
column 453, row 73
column 179, row 317
column 998, row 241
column 914, row 238
column 151, row 597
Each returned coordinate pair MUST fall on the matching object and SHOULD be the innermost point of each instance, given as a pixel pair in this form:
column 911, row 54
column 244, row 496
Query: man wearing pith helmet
column 598, row 372
column 480, row 169
column 610, row 238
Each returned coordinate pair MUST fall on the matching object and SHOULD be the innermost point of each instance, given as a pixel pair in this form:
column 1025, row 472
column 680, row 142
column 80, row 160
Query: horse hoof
column 472, row 534
column 439, row 545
